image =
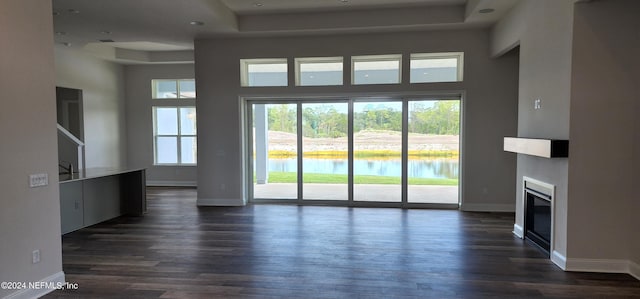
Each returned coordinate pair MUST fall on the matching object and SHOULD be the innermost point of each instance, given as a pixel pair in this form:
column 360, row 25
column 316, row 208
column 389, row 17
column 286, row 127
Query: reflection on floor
column 179, row 250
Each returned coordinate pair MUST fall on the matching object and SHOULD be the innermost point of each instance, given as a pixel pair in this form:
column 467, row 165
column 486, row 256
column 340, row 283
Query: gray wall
column 545, row 73
column 604, row 121
column 102, row 85
column 582, row 61
column 29, row 217
column 140, row 122
column 489, row 111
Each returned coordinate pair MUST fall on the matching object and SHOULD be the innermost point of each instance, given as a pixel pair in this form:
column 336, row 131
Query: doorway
column 360, row 151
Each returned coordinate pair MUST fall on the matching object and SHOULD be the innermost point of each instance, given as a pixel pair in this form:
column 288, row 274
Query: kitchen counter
column 99, row 195
column 91, row 173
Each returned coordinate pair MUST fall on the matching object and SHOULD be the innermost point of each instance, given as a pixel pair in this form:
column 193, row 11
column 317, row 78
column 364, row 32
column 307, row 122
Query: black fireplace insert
column 538, row 219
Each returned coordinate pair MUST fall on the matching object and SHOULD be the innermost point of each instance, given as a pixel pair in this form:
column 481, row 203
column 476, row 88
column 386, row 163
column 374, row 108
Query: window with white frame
column 175, row 139
column 173, row 89
column 319, row 71
column 263, row 72
column 436, row 67
column 174, row 122
column 376, row 69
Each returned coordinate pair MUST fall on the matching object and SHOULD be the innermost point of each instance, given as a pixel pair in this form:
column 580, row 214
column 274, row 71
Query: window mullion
column 179, row 139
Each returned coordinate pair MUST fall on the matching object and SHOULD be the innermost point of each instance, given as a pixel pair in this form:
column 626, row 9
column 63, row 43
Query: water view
column 441, row 168
column 323, row 134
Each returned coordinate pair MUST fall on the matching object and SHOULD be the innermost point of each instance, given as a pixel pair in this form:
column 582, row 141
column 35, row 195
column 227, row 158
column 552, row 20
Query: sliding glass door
column 275, row 150
column 433, row 151
column 325, row 167
column 365, row 151
column 377, row 151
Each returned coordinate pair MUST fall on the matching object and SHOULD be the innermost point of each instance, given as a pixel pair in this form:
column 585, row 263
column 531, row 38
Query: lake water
column 417, row 168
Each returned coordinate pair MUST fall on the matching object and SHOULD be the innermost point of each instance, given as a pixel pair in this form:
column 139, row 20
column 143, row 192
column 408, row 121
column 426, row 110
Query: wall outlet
column 38, row 180
column 35, row 256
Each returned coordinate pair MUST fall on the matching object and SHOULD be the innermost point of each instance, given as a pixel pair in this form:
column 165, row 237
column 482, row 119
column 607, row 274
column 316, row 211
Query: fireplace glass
column 538, row 219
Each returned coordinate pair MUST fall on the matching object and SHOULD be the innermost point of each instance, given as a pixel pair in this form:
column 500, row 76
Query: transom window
column 319, row 71
column 263, row 72
column 376, row 69
column 436, row 67
column 365, row 69
column 173, row 89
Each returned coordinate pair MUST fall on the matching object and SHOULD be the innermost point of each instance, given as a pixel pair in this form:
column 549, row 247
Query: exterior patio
column 362, row 192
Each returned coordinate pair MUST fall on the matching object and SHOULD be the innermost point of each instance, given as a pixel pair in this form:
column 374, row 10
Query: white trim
column 172, row 183
column 37, row 293
column 634, row 270
column 604, row 266
column 220, row 202
column 479, row 207
column 518, row 231
column 559, row 259
column 598, row 265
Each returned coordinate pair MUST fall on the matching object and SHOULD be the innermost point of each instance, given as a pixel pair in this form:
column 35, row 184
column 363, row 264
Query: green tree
column 282, row 118
column 440, row 118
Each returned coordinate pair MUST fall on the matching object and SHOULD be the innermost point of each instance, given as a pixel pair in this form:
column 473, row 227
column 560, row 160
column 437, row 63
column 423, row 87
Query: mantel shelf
column 546, row 148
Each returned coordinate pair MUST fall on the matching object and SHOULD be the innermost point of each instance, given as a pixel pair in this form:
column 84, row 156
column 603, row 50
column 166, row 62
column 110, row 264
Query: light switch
column 38, row 180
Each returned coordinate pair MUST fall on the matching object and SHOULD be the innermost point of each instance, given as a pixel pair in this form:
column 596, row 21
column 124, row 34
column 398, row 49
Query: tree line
column 437, row 118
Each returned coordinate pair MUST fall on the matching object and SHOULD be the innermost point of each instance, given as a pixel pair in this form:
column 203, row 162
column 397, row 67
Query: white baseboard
column 634, row 270
column 518, row 231
column 172, row 183
column 596, row 265
column 473, row 207
column 57, row 278
column 559, row 259
column 604, row 266
column 219, row 202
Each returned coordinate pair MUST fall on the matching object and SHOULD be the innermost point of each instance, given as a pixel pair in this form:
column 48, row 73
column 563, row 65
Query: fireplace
column 538, row 213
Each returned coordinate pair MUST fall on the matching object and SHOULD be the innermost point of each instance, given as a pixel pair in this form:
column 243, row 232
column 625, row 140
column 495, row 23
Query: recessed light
column 486, row 10
column 71, row 10
column 61, row 33
column 196, row 23
column 257, row 4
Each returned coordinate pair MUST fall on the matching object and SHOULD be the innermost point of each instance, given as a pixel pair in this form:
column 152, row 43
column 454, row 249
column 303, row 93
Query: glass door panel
column 377, row 151
column 324, row 151
column 433, row 151
column 275, row 151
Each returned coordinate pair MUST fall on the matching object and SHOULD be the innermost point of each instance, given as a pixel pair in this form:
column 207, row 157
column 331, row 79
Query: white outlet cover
column 35, row 256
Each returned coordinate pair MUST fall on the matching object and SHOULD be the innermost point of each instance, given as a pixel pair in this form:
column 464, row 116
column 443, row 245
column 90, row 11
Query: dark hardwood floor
column 178, row 250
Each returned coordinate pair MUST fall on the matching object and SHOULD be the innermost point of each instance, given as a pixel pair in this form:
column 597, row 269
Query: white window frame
column 244, row 69
column 154, row 84
column 459, row 56
column 178, row 136
column 318, row 60
column 375, row 58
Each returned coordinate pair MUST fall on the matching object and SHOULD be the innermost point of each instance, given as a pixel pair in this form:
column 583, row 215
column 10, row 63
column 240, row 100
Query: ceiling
column 136, row 31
